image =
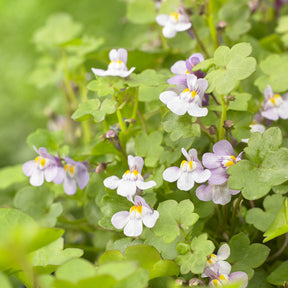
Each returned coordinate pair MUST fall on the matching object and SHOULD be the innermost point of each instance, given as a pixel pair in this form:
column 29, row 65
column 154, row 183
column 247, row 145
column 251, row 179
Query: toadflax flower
column 189, row 100
column 117, row 65
column 219, row 194
column 274, row 106
column 173, row 23
column 255, row 126
column 190, row 171
column 72, row 174
column 140, row 213
column 43, row 166
column 219, row 161
column 183, row 68
column 131, row 179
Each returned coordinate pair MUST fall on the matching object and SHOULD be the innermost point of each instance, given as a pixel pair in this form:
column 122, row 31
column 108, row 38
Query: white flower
column 117, row 65
column 173, row 23
column 140, row 213
column 131, row 179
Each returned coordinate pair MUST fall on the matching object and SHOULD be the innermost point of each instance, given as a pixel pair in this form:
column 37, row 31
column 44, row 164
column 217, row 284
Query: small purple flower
column 43, row 166
column 255, row 126
column 72, row 174
column 190, row 171
column 131, row 179
column 183, row 68
column 189, row 100
column 173, row 23
column 219, row 194
column 219, row 161
column 274, row 106
column 117, row 65
column 140, row 213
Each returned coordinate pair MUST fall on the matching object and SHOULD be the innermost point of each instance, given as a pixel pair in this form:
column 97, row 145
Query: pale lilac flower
column 117, row 65
column 140, row 213
column 131, row 179
column 274, row 106
column 219, row 194
column 190, row 171
column 72, row 174
column 255, row 127
column 43, row 166
column 173, row 23
column 218, row 279
column 219, row 161
column 216, row 261
column 189, row 100
column 183, row 68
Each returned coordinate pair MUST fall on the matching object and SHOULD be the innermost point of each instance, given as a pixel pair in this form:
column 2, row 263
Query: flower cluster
column 140, row 213
column 218, row 270
column 50, row 168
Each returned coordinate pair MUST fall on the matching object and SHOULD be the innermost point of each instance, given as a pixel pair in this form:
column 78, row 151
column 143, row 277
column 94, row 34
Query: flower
column 274, row 106
column 255, row 126
column 132, row 221
column 117, row 65
column 72, row 174
column 219, row 161
column 189, row 100
column 43, row 166
column 183, row 68
column 219, row 194
column 218, row 279
column 131, row 179
column 173, row 23
column 190, row 171
column 217, row 261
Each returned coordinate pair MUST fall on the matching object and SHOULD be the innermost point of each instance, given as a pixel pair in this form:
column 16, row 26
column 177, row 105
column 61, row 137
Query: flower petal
column 239, row 276
column 221, row 194
column 171, row 174
column 177, row 106
column 135, row 163
column 204, row 192
column 28, row 168
column 122, row 55
column 196, row 111
column 223, row 253
column 99, row 72
column 223, row 147
column 218, row 176
column 82, row 175
column 37, row 178
column 270, row 114
column 168, row 96
column 185, row 182
column 182, row 26
column 69, row 185
column 145, row 185
column 50, row 173
column 133, row 228
column 169, row 31
column 178, row 80
column 60, row 176
column 162, row 19
column 126, row 188
column 224, row 267
column 211, row 161
column 120, row 219
column 149, row 220
column 179, row 67
column 112, row 182
column 201, row 176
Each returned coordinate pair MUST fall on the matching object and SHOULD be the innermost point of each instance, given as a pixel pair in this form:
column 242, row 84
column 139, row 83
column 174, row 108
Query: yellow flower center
column 212, row 258
column 193, row 94
column 187, row 72
column 275, row 99
column 137, row 208
column 174, row 15
column 70, row 169
column 41, row 161
column 190, row 163
column 231, row 162
column 222, row 277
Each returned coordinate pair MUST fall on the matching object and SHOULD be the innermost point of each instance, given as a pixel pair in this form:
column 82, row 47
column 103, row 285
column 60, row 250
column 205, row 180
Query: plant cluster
column 207, row 109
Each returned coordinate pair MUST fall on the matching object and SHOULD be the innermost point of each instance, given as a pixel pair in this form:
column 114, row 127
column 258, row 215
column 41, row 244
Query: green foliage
column 232, row 65
column 173, row 218
column 141, row 12
column 282, row 29
column 279, row 275
column 246, row 257
column 11, row 175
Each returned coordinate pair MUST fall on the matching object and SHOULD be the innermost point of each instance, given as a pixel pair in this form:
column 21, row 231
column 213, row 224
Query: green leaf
column 280, row 224
column 275, row 69
column 149, row 146
column 195, row 260
column 279, row 275
column 180, row 126
column 240, row 103
column 105, row 85
column 245, row 255
column 263, row 219
column 4, row 281
column 94, row 108
column 141, row 11
column 59, row 29
column 38, row 203
column 11, row 175
column 174, row 217
column 46, row 259
column 148, row 94
column 232, row 65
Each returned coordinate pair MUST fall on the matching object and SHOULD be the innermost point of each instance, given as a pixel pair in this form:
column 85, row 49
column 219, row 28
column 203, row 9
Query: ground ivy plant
column 165, row 158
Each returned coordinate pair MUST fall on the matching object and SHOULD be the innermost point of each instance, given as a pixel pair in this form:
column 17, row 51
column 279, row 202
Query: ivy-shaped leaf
column 282, row 29
column 196, row 257
column 94, row 108
column 279, row 275
column 105, row 85
column 149, row 146
column 174, row 217
column 263, row 219
column 232, row 65
column 245, row 255
column 180, row 126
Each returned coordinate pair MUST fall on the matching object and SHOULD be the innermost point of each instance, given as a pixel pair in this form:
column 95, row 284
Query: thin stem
column 201, row 45
column 135, row 108
column 183, row 232
column 213, row 31
column 279, row 252
column 205, row 130
column 219, row 216
column 121, row 122
column 234, row 214
column 223, row 118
